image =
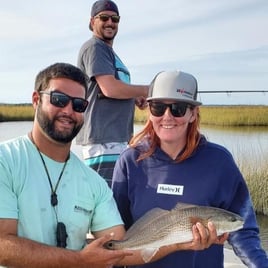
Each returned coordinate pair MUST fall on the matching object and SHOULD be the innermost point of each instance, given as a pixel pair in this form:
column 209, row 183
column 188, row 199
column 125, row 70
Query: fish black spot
column 109, row 245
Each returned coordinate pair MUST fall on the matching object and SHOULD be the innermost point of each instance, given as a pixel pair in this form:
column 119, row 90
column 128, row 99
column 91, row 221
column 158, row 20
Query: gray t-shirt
column 106, row 119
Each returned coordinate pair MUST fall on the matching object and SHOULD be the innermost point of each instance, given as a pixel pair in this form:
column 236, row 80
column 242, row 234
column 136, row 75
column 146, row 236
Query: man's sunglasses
column 60, row 99
column 106, row 17
column 177, row 109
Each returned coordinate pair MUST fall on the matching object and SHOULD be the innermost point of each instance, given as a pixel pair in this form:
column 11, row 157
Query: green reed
column 256, row 176
column 16, row 112
column 234, row 115
column 141, row 116
column 210, row 115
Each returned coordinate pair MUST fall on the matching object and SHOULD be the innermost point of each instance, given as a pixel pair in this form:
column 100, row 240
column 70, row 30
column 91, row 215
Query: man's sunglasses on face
column 60, row 99
column 106, row 17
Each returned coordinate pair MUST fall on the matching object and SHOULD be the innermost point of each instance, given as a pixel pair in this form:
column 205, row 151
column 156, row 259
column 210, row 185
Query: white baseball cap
column 174, row 85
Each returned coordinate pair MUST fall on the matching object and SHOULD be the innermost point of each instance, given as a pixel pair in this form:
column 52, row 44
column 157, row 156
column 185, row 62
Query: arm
column 246, row 242
column 97, row 61
column 113, row 88
column 20, row 252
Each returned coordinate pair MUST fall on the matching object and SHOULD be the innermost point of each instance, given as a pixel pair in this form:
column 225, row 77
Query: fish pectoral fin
column 148, row 253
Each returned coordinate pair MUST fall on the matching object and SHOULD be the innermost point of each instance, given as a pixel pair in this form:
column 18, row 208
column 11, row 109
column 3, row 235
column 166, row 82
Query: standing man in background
column 109, row 117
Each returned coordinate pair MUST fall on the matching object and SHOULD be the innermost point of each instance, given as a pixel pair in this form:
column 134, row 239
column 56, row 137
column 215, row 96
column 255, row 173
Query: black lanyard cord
column 53, row 197
column 61, row 234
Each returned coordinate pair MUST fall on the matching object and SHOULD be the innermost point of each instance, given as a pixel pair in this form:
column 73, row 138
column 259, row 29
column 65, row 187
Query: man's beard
column 108, row 38
column 48, row 126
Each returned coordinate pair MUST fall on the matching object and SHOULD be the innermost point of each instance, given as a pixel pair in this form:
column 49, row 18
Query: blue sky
column 224, row 44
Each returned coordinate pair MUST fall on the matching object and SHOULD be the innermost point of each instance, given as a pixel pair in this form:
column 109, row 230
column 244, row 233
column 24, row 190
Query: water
column 251, row 142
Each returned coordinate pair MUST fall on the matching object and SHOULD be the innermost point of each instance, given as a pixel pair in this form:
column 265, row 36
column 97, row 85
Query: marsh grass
column 225, row 115
column 234, row 115
column 210, row 115
column 16, row 112
column 256, row 176
column 141, row 116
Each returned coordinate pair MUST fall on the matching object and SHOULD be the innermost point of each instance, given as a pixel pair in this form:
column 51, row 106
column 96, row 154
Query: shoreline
column 214, row 115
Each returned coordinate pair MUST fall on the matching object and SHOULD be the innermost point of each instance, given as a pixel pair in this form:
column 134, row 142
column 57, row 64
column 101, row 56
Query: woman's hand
column 203, row 238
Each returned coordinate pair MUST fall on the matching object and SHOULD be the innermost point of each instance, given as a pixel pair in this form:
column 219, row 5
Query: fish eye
column 233, row 219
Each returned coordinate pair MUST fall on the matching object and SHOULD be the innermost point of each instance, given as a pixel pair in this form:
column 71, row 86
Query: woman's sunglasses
column 105, row 17
column 60, row 99
column 177, row 109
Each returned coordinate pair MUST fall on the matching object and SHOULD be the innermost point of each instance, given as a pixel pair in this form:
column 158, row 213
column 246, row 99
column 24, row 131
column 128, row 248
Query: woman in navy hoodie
column 170, row 161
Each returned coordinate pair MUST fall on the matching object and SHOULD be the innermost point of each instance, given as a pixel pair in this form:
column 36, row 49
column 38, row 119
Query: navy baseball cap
column 102, row 5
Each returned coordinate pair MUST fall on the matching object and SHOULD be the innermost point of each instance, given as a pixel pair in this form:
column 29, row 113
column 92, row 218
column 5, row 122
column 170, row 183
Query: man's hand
column 95, row 255
column 141, row 103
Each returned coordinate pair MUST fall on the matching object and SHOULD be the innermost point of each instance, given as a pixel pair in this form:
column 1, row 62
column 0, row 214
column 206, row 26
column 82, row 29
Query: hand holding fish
column 203, row 237
column 103, row 258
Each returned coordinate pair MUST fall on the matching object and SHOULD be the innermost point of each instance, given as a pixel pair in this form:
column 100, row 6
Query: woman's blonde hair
column 148, row 133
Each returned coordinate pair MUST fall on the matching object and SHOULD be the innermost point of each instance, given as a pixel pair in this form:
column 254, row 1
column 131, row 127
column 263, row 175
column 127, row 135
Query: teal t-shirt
column 85, row 202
